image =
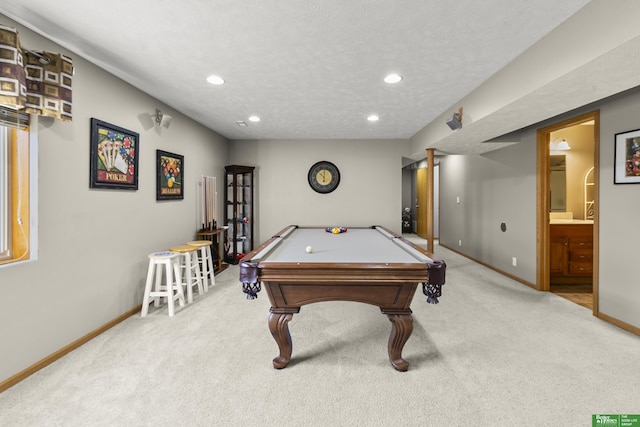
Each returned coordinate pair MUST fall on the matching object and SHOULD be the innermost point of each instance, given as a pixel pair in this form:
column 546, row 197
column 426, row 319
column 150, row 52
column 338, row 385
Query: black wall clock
column 324, row 177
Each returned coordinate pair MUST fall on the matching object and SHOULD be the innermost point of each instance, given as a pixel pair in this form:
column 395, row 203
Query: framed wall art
column 114, row 157
column 626, row 167
column 170, row 173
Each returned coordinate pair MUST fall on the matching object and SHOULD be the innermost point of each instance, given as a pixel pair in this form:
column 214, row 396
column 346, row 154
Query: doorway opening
column 567, row 215
column 417, row 195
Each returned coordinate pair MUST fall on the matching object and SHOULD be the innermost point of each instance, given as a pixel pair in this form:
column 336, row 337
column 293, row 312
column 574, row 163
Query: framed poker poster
column 113, row 157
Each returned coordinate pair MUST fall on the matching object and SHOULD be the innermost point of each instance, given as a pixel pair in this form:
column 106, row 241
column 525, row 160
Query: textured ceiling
column 310, row 70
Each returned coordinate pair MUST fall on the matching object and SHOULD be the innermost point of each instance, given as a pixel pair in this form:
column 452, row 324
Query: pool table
column 371, row 265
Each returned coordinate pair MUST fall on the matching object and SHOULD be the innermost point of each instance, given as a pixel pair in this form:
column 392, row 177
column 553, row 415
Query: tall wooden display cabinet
column 238, row 187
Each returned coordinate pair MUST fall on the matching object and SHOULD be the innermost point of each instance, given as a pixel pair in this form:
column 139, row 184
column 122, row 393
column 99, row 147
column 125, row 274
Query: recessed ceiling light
column 373, row 118
column 241, row 123
column 393, row 78
column 215, row 80
column 254, row 119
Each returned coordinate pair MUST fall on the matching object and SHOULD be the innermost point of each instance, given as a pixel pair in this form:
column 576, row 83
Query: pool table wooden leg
column 401, row 328
column 278, row 325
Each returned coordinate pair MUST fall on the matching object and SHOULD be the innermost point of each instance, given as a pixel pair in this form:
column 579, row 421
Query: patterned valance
column 35, row 82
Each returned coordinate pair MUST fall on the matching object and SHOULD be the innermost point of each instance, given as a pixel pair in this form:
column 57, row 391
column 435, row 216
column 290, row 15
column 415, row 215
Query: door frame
column 543, row 203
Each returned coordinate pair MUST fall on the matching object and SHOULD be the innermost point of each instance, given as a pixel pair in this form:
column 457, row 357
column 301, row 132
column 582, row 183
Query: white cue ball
column 309, row 249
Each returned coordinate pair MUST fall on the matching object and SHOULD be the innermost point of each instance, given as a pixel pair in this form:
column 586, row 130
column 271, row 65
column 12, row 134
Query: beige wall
column 501, row 187
column 495, row 188
column 93, row 243
column 370, row 182
column 619, row 206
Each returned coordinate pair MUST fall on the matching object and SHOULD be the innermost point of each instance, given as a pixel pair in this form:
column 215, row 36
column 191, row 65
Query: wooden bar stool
column 189, row 269
column 205, row 260
column 159, row 261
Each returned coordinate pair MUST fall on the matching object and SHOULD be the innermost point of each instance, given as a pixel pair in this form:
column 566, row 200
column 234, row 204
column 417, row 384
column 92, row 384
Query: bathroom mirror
column 558, row 180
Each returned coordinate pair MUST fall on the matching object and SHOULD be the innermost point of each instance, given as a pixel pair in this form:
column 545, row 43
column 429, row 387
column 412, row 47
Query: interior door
column 422, row 194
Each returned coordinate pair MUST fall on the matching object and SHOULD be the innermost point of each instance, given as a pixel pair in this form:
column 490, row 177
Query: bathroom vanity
column 571, row 251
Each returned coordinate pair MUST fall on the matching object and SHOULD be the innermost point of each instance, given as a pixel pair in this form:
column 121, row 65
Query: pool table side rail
column 266, row 247
column 253, row 272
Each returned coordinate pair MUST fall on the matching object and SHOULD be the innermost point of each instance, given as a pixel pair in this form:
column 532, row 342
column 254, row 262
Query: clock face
column 324, row 177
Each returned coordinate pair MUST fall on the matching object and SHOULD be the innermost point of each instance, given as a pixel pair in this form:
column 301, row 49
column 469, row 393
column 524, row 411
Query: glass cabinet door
column 239, row 211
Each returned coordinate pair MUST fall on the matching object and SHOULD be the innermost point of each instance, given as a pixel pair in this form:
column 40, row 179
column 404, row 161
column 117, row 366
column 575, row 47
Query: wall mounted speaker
column 163, row 120
column 454, row 122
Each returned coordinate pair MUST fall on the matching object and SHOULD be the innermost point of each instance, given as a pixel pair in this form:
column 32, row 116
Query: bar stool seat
column 205, row 259
column 189, row 269
column 159, row 262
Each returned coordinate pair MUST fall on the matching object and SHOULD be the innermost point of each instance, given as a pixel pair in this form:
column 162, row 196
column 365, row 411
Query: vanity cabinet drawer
column 579, row 269
column 581, row 256
column 581, row 242
column 571, row 252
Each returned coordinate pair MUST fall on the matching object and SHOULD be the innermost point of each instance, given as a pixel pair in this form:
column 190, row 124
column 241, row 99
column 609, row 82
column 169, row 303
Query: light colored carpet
column 492, row 353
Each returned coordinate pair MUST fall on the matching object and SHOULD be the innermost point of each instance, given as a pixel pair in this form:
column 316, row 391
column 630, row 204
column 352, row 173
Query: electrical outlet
column 458, row 199
column 459, row 242
column 514, row 261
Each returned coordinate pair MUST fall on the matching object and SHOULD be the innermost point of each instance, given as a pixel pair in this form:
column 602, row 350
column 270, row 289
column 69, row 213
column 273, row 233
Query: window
column 14, row 186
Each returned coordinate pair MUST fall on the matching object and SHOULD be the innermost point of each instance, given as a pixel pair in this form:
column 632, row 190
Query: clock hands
column 324, row 177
